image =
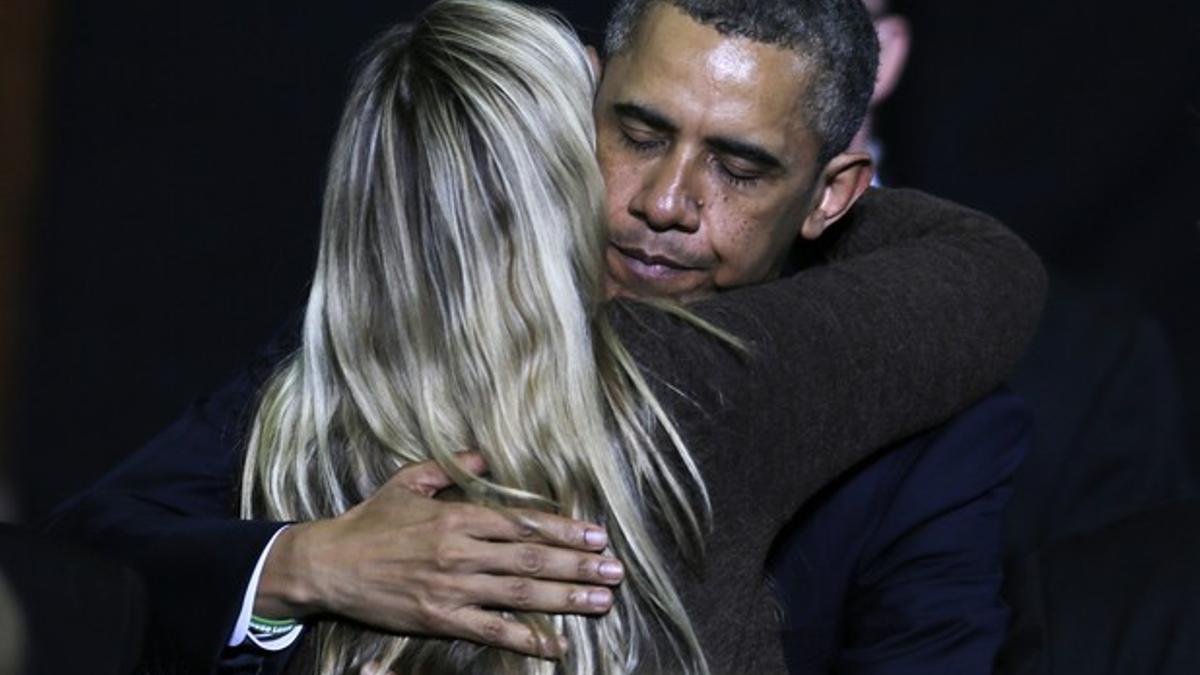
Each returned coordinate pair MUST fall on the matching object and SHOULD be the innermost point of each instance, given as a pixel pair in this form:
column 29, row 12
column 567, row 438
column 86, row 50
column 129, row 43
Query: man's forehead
column 694, row 75
column 666, row 31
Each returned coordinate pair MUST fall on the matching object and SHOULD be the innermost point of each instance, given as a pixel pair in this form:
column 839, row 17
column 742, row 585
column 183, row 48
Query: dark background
column 171, row 224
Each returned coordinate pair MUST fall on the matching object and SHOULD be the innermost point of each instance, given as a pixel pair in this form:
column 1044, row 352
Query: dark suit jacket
column 897, row 568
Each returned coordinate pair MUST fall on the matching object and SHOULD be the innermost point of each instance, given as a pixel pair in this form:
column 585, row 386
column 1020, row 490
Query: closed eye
column 639, row 146
column 640, row 140
column 734, row 176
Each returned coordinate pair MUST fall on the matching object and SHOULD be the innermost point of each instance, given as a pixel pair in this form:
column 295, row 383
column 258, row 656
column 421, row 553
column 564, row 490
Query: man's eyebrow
column 744, row 150
column 646, row 115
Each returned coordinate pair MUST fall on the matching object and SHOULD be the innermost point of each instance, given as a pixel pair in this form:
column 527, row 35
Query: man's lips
column 635, row 272
column 653, row 259
column 640, row 272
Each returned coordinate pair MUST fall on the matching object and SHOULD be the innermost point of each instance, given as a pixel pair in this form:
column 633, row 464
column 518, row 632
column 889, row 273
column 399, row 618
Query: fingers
column 535, row 526
column 533, row 595
column 427, row 478
column 491, row 628
column 543, row 562
column 472, row 462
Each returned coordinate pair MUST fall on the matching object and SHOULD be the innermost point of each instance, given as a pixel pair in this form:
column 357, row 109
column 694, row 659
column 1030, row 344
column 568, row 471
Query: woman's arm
column 917, row 308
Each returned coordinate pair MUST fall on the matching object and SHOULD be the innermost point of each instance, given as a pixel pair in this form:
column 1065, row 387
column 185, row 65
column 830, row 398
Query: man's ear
column 594, row 59
column 842, row 182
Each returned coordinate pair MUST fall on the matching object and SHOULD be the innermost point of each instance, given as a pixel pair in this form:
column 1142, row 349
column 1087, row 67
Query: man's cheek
column 622, row 180
column 620, row 222
column 736, row 269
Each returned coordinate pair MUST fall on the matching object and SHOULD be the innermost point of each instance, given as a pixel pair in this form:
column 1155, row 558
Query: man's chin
column 616, row 288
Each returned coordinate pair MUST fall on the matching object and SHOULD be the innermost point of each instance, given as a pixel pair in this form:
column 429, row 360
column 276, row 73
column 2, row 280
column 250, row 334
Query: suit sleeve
column 925, row 593
column 168, row 512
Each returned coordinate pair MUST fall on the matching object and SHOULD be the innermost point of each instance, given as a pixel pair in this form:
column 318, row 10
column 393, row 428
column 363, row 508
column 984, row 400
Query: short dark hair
column 836, row 37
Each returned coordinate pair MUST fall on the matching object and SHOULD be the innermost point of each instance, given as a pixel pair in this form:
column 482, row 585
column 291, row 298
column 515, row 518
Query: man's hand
column 407, row 563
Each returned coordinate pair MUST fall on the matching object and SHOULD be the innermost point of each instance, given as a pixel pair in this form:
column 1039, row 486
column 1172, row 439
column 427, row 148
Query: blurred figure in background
column 1100, row 378
column 895, row 40
column 1077, row 125
column 1100, row 530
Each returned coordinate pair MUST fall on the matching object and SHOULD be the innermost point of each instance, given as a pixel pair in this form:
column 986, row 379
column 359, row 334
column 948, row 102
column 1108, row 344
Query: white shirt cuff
column 241, row 629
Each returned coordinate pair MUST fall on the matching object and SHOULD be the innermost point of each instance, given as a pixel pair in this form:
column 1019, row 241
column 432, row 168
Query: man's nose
column 667, row 200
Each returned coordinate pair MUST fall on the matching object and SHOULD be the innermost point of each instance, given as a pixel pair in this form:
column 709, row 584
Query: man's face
column 708, row 162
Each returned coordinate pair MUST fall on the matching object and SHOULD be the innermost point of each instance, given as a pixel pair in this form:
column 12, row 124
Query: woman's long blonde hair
column 458, row 303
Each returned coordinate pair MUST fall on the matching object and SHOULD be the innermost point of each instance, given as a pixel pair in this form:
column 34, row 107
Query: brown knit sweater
column 917, row 308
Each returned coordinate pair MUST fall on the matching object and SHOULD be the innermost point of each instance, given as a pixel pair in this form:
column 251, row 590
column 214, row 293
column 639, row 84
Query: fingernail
column 595, row 537
column 599, row 598
column 611, row 569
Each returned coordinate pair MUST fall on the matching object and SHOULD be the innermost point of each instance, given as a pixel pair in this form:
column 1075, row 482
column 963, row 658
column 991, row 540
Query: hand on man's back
column 405, row 562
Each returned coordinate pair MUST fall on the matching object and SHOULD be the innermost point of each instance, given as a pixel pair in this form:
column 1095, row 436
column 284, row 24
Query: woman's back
column 457, row 303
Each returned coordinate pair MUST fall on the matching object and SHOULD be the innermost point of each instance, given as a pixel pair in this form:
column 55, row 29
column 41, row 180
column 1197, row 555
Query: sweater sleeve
column 917, row 308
